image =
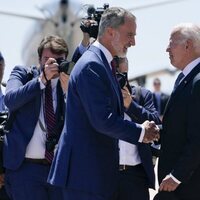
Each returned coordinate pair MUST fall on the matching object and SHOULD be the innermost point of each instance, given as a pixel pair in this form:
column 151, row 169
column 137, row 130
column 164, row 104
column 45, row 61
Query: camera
column 93, row 14
column 65, row 66
column 122, row 79
column 51, row 143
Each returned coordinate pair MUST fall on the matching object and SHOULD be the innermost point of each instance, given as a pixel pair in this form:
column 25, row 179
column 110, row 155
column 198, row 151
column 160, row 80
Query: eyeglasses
column 156, row 83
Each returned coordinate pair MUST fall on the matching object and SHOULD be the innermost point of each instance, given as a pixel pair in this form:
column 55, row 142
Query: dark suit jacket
column 23, row 96
column 163, row 101
column 88, row 153
column 180, row 138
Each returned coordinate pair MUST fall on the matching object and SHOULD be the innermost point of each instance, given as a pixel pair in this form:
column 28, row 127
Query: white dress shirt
column 128, row 153
column 36, row 146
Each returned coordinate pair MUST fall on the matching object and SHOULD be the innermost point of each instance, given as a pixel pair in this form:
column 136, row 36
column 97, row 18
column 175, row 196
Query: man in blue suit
column 27, row 152
column 87, row 160
column 179, row 162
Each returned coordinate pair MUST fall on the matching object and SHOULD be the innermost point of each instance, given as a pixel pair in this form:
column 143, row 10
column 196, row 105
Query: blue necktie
column 178, row 79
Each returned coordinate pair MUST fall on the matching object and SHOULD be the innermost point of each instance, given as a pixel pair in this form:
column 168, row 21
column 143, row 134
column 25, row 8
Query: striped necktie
column 50, row 120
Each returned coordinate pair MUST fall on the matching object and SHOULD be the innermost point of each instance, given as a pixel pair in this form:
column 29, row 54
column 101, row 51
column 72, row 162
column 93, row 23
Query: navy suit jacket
column 180, row 138
column 23, row 97
column 87, row 158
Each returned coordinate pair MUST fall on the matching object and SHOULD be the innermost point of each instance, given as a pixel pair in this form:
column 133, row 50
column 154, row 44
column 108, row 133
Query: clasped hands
column 151, row 132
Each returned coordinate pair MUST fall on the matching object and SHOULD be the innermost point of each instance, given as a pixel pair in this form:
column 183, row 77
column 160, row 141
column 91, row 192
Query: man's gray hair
column 188, row 31
column 113, row 17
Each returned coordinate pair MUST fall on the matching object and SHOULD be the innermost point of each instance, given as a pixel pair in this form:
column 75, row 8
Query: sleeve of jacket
column 76, row 55
column 101, row 107
column 19, row 89
column 140, row 113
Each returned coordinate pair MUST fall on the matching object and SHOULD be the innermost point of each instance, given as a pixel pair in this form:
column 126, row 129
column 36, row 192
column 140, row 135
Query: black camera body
column 93, row 14
column 122, row 79
column 51, row 143
column 65, row 66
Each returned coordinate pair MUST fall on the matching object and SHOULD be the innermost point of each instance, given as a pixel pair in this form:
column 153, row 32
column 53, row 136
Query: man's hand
column 1, row 180
column 151, row 132
column 168, row 184
column 50, row 70
column 64, row 79
column 126, row 97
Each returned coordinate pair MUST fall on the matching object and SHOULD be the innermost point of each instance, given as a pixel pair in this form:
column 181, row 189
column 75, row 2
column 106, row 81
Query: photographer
column 35, row 97
column 89, row 26
column 138, row 103
column 86, row 41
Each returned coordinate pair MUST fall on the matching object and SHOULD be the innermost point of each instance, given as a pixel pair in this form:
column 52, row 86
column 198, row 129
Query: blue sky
column 154, row 26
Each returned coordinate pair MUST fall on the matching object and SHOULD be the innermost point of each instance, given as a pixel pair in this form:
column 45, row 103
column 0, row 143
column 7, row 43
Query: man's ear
column 189, row 44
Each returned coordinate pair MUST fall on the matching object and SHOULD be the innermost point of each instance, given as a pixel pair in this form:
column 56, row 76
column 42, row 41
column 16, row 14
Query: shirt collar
column 106, row 52
column 191, row 66
column 54, row 82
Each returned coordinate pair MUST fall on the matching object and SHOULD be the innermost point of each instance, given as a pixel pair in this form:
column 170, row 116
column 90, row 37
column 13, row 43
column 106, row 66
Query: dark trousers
column 72, row 194
column 171, row 196
column 3, row 194
column 133, row 184
column 29, row 183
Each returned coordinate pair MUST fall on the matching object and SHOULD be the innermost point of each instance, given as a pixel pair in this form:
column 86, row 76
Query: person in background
column 85, row 43
column 3, row 195
column 88, row 152
column 160, row 98
column 179, row 161
column 35, row 97
column 136, row 167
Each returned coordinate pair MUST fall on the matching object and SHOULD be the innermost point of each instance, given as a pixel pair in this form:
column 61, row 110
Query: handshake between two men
column 151, row 132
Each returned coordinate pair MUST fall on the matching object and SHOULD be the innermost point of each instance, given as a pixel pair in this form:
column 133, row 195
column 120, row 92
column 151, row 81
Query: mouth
column 170, row 56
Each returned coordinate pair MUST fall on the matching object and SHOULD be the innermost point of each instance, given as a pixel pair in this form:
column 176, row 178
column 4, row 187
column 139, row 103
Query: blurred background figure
column 160, row 99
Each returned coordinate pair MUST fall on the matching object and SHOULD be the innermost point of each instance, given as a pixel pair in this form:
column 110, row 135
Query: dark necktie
column 178, row 79
column 50, row 120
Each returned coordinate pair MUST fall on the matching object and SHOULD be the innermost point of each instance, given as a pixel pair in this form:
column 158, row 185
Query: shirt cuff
column 42, row 85
column 141, row 134
column 174, row 179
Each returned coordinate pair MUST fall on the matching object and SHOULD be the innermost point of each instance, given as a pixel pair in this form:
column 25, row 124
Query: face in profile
column 124, row 37
column 177, row 51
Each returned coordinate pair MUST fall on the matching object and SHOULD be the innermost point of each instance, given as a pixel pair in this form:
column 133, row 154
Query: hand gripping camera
column 93, row 14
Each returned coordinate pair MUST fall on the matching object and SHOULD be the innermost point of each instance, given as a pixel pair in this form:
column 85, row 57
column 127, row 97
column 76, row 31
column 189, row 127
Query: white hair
column 188, row 31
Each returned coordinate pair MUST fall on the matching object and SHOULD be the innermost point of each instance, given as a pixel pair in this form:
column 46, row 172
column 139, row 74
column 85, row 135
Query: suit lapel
column 179, row 90
column 113, row 81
